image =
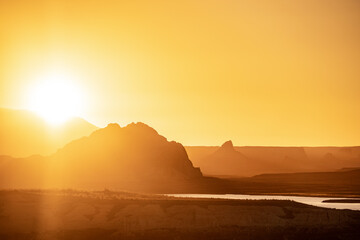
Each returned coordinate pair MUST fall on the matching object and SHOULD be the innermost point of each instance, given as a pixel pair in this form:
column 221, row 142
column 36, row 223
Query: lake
column 315, row 201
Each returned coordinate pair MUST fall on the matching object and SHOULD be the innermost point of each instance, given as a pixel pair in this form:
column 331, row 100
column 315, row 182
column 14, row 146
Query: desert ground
column 69, row 214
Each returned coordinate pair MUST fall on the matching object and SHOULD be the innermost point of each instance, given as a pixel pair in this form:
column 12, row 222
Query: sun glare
column 56, row 98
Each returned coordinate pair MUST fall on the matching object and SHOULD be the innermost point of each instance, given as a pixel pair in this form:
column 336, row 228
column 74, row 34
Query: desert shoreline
column 116, row 215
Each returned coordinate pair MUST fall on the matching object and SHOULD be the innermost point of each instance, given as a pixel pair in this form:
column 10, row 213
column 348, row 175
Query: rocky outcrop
column 134, row 157
column 226, row 161
column 227, row 146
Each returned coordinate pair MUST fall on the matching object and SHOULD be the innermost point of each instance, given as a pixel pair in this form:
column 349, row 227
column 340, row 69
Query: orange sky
column 200, row 72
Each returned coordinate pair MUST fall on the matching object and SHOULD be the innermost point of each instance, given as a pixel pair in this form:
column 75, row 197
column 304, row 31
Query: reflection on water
column 315, row 201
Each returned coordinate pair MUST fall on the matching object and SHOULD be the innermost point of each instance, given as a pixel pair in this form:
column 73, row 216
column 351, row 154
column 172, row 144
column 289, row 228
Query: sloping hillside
column 23, row 133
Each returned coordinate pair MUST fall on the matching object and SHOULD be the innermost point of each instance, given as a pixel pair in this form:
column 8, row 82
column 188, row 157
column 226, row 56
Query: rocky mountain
column 23, row 133
column 226, row 161
column 134, row 157
column 258, row 160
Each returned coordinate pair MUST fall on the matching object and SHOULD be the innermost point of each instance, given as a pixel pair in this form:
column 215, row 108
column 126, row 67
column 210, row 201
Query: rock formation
column 134, row 157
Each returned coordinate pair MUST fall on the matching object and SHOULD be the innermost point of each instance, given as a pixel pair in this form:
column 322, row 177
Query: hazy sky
column 200, row 72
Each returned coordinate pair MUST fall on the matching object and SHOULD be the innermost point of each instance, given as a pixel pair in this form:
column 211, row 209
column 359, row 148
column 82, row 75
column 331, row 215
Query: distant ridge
column 259, row 160
column 23, row 133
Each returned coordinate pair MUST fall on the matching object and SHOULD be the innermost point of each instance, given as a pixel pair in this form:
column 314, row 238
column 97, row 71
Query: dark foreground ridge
column 111, row 215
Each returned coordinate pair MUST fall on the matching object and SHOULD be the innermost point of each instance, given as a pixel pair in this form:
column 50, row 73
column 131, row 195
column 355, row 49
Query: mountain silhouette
column 259, row 160
column 225, row 161
column 134, row 157
column 23, row 133
column 227, row 147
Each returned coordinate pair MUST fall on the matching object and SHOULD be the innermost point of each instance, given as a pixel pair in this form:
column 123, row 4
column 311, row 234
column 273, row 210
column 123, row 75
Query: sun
column 56, row 98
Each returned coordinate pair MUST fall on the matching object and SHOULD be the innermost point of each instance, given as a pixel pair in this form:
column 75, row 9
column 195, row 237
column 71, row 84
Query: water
column 315, row 201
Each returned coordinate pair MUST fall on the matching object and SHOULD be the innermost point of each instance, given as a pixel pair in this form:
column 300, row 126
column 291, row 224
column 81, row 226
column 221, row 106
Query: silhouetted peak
column 141, row 127
column 139, row 131
column 113, row 126
column 228, row 145
column 110, row 129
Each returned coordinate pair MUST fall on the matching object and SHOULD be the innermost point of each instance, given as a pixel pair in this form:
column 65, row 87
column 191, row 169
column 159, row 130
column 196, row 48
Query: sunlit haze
column 179, row 119
column 200, row 72
column 56, row 98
